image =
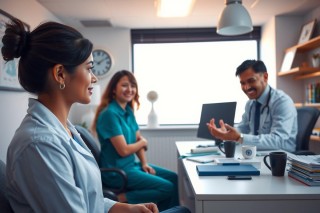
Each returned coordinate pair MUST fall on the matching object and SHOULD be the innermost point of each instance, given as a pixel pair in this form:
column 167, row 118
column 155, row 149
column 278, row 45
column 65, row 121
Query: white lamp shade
column 234, row 20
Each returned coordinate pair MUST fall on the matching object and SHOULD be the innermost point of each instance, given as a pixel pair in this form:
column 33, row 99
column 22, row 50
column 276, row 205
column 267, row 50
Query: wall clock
column 102, row 62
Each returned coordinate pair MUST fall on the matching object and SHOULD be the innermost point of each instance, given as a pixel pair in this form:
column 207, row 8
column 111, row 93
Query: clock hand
column 99, row 62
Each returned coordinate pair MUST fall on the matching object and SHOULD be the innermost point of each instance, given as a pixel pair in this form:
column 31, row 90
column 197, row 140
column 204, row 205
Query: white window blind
column 186, row 75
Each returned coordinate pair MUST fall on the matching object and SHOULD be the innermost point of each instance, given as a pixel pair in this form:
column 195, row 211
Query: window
column 187, row 74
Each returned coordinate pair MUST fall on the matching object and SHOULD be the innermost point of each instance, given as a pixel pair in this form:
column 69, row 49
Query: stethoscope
column 266, row 106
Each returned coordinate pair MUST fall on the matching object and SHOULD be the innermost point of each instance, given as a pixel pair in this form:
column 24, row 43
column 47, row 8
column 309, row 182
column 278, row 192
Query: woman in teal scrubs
column 120, row 139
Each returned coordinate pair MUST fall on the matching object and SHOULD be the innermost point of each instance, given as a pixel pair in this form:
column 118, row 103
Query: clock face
column 102, row 62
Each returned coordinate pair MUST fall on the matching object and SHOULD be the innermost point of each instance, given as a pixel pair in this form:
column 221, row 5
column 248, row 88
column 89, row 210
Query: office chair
column 307, row 119
column 108, row 191
column 4, row 202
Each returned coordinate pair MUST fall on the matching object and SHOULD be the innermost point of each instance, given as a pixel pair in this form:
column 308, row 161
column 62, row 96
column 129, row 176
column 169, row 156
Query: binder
column 226, row 170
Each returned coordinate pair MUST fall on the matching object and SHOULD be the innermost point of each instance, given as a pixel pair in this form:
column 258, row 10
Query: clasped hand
column 148, row 169
column 142, row 139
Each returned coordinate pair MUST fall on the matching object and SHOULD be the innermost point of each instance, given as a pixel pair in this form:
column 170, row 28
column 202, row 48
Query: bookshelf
column 303, row 72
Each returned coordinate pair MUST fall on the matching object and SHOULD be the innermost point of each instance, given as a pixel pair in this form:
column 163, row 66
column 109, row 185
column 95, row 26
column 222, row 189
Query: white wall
column 116, row 41
column 287, row 35
column 267, row 50
column 13, row 105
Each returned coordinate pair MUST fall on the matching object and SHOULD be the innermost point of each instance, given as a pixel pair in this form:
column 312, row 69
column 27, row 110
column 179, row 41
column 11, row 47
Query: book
column 202, row 159
column 227, row 161
column 226, row 170
column 305, row 180
column 232, row 161
column 305, row 169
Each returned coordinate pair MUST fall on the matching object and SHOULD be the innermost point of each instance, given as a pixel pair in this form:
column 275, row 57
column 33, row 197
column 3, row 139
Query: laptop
column 225, row 111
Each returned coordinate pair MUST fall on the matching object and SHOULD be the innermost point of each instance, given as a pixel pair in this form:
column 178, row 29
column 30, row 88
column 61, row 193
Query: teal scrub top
column 114, row 121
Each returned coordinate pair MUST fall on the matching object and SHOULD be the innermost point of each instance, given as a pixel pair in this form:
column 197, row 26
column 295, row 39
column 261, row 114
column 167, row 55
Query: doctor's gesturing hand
column 225, row 132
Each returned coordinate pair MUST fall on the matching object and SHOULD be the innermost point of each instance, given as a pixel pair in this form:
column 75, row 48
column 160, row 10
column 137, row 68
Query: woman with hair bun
column 49, row 167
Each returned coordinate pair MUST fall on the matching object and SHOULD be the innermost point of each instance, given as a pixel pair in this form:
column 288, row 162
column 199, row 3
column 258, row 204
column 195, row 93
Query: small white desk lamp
column 152, row 96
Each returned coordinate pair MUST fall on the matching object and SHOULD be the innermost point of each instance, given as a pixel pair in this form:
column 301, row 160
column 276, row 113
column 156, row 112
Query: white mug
column 249, row 151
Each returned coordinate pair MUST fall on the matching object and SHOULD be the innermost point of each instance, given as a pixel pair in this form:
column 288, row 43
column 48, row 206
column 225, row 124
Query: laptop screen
column 225, row 111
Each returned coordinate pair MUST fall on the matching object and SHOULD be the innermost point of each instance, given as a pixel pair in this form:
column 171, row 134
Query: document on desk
column 226, row 170
column 204, row 150
column 203, row 159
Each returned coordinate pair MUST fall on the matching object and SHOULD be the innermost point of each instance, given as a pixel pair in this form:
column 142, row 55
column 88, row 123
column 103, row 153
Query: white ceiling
column 142, row 13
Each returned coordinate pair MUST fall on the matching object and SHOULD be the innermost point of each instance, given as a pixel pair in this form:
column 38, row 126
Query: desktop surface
column 265, row 190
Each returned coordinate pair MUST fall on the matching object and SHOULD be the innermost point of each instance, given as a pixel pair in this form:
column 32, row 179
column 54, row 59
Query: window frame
column 185, row 35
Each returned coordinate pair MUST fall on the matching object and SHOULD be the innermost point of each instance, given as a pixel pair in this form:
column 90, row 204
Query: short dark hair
column 256, row 65
column 48, row 44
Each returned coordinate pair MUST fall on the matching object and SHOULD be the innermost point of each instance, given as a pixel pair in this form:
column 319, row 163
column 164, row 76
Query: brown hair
column 108, row 94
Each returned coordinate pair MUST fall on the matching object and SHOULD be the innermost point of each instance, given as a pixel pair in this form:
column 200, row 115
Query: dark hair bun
column 15, row 40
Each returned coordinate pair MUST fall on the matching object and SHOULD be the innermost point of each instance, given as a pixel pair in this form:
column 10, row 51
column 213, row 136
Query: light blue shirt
column 278, row 122
column 48, row 171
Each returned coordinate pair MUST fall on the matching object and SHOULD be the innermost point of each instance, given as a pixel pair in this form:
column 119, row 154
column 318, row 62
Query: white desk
column 264, row 193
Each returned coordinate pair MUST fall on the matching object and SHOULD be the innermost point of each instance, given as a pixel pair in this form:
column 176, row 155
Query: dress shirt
column 278, row 122
column 48, row 171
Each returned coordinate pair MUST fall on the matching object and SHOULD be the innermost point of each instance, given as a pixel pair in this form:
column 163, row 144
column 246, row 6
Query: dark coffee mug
column 229, row 148
column 278, row 161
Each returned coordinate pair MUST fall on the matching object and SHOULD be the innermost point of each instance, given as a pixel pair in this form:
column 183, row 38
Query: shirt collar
column 46, row 117
column 264, row 96
column 119, row 109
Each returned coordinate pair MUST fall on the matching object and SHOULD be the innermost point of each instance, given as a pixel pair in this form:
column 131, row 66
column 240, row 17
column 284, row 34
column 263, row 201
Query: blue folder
column 226, row 170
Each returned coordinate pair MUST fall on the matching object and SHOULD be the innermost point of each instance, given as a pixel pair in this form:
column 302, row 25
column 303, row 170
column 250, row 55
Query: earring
column 62, row 86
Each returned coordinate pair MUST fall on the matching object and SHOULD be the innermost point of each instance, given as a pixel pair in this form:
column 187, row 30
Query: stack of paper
column 305, row 168
column 204, row 150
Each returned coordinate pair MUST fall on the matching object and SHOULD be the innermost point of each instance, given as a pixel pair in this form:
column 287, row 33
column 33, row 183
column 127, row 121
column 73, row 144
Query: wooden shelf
column 299, row 71
column 316, row 105
column 311, row 75
column 315, row 138
column 309, row 45
column 303, row 72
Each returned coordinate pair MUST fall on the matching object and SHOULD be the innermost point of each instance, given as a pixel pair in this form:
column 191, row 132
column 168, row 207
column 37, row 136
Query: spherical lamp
column 152, row 96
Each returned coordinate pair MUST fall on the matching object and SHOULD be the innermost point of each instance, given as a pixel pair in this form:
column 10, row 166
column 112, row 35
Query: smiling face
column 79, row 87
column 253, row 84
column 125, row 91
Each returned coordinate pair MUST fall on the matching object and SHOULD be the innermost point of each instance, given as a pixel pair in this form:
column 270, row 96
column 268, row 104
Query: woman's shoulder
column 33, row 137
column 109, row 110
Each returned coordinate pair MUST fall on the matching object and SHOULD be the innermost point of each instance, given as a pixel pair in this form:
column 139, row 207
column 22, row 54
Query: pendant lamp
column 234, row 19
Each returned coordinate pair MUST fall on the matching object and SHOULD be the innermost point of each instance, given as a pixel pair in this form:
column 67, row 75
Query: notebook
column 225, row 111
column 226, row 170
